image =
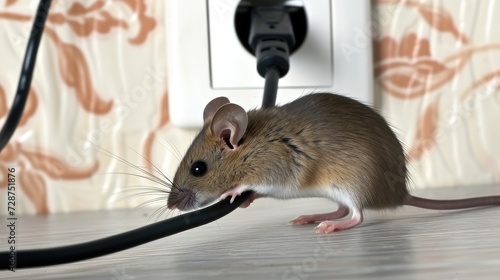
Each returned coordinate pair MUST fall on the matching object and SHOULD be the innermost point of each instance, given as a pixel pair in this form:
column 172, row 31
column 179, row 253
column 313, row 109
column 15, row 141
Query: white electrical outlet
column 205, row 58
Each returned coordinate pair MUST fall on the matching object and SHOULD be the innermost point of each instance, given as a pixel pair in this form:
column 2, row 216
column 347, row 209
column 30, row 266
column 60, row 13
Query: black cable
column 270, row 87
column 24, row 84
column 122, row 241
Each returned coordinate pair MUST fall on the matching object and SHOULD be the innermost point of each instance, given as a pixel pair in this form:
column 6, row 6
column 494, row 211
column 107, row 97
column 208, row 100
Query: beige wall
column 437, row 69
column 100, row 77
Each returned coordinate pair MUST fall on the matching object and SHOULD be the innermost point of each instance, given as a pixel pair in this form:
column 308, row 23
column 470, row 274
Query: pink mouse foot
column 234, row 192
column 331, row 226
column 341, row 212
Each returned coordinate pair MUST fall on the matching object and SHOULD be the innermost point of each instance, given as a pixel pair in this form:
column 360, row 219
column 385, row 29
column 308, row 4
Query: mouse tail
column 452, row 204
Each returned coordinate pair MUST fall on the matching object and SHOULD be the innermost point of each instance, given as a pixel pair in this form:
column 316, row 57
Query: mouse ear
column 230, row 123
column 213, row 106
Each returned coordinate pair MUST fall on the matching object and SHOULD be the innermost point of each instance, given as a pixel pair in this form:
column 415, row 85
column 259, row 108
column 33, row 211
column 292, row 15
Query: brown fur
column 317, row 140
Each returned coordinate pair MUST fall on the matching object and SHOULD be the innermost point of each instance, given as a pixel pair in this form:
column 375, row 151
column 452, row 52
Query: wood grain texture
column 257, row 243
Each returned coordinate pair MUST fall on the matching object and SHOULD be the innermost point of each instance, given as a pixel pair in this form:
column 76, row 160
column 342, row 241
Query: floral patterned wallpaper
column 437, row 73
column 95, row 132
column 100, row 67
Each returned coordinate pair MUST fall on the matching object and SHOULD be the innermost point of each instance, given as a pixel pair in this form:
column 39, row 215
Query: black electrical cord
column 270, row 87
column 272, row 69
column 122, row 241
column 24, row 84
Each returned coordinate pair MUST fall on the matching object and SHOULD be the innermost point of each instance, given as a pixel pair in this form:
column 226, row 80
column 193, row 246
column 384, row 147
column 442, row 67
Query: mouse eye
column 199, row 168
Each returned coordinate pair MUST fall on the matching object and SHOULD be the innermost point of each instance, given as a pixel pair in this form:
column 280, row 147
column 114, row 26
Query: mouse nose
column 181, row 200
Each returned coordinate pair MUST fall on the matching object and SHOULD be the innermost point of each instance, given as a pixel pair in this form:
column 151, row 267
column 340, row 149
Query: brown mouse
column 320, row 145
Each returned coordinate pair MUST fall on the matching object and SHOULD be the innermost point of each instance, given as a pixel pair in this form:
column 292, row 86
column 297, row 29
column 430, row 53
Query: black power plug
column 271, row 38
column 294, row 8
column 271, row 30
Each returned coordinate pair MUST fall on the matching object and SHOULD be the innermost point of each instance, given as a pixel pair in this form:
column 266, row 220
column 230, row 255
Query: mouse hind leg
column 331, row 226
column 340, row 213
column 329, row 222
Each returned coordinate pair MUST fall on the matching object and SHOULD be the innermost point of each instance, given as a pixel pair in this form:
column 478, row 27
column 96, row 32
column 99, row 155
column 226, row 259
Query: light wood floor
column 257, row 243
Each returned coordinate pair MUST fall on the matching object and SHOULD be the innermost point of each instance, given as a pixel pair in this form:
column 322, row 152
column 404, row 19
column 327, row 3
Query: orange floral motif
column 98, row 17
column 30, row 107
column 83, row 20
column 75, row 73
column 31, row 168
column 147, row 23
column 437, row 17
column 441, row 20
column 164, row 118
column 80, row 19
column 33, row 165
column 3, row 103
column 31, row 180
column 426, row 133
column 13, row 16
column 493, row 76
column 34, row 186
column 10, row 2
column 407, row 69
column 29, row 110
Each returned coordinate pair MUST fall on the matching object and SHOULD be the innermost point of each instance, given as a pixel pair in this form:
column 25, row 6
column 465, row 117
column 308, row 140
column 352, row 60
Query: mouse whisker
column 143, row 205
column 136, row 167
column 145, row 187
column 176, row 187
column 148, row 168
column 172, row 213
column 155, row 213
column 178, row 155
column 166, row 183
column 152, row 179
column 166, row 213
column 144, row 193
column 159, row 217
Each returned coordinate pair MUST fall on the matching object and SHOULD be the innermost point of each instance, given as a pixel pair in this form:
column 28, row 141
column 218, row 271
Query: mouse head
column 210, row 166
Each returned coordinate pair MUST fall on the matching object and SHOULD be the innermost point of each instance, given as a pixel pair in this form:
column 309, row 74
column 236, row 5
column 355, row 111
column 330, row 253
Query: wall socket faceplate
column 205, row 59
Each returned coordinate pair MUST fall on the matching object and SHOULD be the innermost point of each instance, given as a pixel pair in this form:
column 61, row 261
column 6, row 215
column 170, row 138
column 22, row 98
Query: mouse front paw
column 234, row 192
